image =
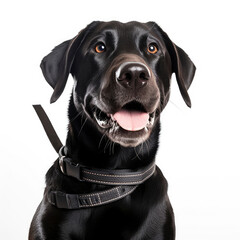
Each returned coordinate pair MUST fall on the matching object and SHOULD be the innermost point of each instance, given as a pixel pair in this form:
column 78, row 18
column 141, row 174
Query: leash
column 48, row 127
column 125, row 181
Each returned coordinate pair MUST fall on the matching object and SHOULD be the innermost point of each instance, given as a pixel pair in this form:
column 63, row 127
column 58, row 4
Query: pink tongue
column 131, row 120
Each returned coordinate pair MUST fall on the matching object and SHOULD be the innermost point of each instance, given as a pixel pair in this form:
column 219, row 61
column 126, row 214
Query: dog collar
column 104, row 176
column 125, row 181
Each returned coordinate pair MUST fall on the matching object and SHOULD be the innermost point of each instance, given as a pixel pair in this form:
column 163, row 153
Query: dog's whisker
column 74, row 118
column 113, row 148
column 106, row 145
column 82, row 127
column 136, row 153
column 141, row 148
column 83, row 117
column 110, row 148
column 147, row 145
column 99, row 145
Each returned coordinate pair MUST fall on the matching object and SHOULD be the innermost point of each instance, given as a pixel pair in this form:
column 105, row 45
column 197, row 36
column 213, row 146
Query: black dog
column 122, row 75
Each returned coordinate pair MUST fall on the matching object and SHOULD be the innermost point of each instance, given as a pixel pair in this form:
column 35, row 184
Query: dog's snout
column 132, row 75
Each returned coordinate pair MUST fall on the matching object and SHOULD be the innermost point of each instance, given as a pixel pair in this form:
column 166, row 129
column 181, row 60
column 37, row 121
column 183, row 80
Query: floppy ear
column 182, row 65
column 184, row 70
column 56, row 66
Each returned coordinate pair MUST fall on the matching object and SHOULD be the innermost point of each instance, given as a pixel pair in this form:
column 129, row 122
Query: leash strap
column 125, row 181
column 48, row 127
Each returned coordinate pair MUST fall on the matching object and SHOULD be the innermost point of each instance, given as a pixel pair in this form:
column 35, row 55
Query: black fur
column 146, row 213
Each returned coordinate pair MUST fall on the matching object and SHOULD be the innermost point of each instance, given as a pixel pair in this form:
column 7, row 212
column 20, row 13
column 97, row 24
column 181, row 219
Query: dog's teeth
column 103, row 122
column 151, row 120
column 114, row 127
column 112, row 117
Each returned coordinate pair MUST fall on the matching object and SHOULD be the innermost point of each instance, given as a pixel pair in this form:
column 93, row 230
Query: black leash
column 124, row 180
column 48, row 127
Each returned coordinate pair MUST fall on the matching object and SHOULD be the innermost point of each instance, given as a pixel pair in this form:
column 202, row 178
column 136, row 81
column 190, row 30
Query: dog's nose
column 132, row 75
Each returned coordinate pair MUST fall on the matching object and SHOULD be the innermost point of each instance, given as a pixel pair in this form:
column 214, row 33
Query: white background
column 199, row 150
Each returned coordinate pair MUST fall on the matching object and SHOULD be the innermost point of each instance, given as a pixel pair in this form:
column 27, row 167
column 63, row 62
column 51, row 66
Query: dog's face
column 121, row 76
column 119, row 85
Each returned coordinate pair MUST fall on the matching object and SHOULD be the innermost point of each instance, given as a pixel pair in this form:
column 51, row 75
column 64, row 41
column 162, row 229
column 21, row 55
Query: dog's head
column 121, row 74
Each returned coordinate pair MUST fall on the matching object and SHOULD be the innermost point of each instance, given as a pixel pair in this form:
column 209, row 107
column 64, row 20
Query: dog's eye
column 152, row 48
column 100, row 48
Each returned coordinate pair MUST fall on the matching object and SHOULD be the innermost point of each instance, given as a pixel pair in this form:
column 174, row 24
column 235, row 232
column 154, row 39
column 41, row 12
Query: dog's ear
column 182, row 65
column 56, row 66
column 184, row 69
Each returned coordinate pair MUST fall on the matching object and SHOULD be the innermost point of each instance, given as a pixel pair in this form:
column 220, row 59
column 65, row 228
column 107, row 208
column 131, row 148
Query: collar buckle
column 62, row 164
column 68, row 167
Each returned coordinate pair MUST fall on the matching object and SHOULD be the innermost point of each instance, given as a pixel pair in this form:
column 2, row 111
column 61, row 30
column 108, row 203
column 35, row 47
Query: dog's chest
column 124, row 219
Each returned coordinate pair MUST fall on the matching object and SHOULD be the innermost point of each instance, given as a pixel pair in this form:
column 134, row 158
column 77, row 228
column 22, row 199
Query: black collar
column 104, row 176
column 124, row 181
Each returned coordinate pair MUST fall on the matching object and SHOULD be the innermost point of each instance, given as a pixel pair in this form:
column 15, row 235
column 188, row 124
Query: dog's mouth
column 129, row 126
column 131, row 117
